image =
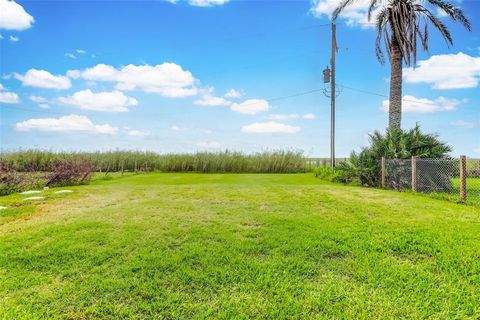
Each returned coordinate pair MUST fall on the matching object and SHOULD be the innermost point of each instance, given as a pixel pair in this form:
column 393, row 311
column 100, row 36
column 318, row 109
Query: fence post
column 414, row 173
column 463, row 178
column 383, row 172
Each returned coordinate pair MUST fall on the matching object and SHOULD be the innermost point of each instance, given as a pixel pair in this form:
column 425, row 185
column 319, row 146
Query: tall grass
column 206, row 162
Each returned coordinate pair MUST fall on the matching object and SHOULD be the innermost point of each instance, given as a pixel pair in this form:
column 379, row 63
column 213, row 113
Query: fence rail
column 443, row 176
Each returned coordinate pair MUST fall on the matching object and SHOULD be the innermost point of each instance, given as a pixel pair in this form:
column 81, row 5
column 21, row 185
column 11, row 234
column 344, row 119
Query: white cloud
column 465, row 124
column 13, row 16
column 309, row 116
column 212, row 101
column 355, row 14
column 209, row 145
column 114, row 101
column 70, row 123
column 446, row 71
column 283, row 117
column 234, row 94
column 1, row 37
column 81, row 51
column 177, row 128
column 42, row 102
column 167, row 79
column 9, row 97
column 14, row 39
column 43, row 79
column 37, row 99
column 136, row 133
column 70, row 55
column 74, row 74
column 251, row 106
column 269, row 127
column 423, row 105
column 207, row 3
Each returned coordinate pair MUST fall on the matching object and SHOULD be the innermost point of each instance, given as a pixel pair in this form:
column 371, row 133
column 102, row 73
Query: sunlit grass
column 237, row 246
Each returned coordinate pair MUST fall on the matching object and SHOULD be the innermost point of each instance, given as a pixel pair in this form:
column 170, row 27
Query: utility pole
column 332, row 97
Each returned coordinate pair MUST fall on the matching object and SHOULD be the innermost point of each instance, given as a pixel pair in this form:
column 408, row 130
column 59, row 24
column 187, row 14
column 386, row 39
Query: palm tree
column 401, row 23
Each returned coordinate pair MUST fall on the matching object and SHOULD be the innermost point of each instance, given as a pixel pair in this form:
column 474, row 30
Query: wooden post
column 414, row 173
column 463, row 178
column 383, row 173
column 122, row 166
column 135, row 166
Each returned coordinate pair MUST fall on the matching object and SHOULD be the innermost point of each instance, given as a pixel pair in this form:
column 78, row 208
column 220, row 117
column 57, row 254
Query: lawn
column 168, row 246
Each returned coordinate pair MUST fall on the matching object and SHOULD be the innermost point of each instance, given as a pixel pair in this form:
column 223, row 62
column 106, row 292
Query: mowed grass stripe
column 238, row 246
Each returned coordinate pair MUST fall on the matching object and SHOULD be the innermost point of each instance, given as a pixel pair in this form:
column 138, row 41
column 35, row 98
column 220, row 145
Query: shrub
column 12, row 181
column 396, row 144
column 326, row 173
column 70, row 172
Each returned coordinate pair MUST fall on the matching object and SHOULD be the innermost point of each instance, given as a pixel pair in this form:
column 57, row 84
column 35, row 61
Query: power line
column 384, row 95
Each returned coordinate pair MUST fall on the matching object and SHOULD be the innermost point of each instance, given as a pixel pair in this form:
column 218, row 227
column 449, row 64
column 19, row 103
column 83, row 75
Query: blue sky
column 214, row 74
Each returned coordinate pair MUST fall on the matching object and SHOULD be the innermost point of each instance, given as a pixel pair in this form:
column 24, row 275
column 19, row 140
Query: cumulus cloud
column 43, row 79
column 446, row 71
column 14, row 39
column 423, row 105
column 13, row 16
column 70, row 55
column 37, row 99
column 355, row 14
column 42, row 102
column 212, row 101
column 74, row 74
column 251, row 106
column 115, row 101
column 70, row 123
column 234, row 94
column 81, row 51
column 269, row 127
column 9, row 97
column 209, row 145
column 136, row 133
column 166, row 79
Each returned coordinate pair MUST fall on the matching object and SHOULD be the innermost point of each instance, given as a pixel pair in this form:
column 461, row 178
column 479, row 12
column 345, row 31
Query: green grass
column 167, row 246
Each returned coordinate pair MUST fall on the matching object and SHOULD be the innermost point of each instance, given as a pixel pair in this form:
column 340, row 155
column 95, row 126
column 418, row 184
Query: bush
column 70, row 172
column 326, row 173
column 12, row 181
column 395, row 144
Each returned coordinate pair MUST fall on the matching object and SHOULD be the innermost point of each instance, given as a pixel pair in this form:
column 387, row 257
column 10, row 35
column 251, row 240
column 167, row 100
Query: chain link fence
column 456, row 177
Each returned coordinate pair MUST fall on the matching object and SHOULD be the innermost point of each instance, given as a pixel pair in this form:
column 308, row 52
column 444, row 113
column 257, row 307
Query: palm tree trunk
column 395, row 106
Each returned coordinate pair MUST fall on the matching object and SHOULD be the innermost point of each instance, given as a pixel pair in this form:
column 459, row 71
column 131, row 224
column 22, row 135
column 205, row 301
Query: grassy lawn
column 245, row 246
